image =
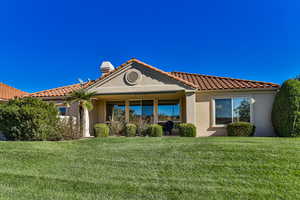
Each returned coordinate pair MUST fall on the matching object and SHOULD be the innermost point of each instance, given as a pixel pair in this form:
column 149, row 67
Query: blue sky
column 46, row 44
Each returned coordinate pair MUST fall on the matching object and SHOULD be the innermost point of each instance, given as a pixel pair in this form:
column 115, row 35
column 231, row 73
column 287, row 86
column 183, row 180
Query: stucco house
column 139, row 92
column 7, row 92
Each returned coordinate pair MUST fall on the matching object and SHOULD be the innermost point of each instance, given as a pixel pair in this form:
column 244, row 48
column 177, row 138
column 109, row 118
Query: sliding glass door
column 141, row 111
column 115, row 111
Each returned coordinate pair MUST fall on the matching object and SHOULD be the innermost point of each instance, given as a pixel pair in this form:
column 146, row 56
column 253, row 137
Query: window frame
column 213, row 110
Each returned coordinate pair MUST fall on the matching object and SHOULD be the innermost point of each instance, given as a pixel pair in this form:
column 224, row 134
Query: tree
column 286, row 109
column 84, row 99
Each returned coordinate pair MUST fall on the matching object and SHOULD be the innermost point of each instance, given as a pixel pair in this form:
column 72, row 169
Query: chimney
column 106, row 67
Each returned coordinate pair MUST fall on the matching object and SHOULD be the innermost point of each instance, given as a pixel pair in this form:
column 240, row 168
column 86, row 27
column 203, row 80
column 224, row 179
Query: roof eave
column 238, row 90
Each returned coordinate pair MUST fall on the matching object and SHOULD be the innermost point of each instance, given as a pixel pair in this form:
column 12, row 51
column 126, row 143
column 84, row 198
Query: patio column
column 155, row 113
column 127, row 111
column 190, row 107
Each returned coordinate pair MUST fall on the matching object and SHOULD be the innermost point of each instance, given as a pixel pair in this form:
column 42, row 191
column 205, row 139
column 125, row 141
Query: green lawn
column 151, row 168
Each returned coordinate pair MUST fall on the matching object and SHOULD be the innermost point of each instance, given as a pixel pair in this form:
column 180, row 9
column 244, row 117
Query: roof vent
column 133, row 77
column 106, row 67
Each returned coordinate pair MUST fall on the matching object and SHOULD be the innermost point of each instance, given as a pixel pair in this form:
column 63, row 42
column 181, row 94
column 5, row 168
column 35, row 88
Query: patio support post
column 155, row 113
column 127, row 111
column 191, row 107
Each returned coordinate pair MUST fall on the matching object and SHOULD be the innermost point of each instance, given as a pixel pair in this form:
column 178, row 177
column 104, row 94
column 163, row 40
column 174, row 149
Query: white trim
column 213, row 110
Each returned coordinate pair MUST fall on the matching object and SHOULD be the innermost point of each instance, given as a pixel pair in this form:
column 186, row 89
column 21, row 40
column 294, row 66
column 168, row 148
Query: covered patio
column 166, row 109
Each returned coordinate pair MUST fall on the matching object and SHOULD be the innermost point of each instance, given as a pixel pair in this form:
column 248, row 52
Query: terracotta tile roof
column 61, row 91
column 197, row 81
column 8, row 92
column 206, row 82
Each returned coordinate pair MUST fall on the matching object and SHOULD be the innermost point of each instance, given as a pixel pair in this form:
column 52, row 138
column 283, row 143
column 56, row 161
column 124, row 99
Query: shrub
column 69, row 128
column 143, row 127
column 144, row 130
column 240, row 129
column 154, row 130
column 130, row 130
column 286, row 110
column 116, row 128
column 29, row 119
column 101, row 130
column 187, row 130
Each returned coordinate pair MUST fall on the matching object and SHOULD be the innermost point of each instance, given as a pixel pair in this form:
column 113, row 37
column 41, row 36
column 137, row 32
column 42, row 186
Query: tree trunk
column 80, row 121
column 86, row 123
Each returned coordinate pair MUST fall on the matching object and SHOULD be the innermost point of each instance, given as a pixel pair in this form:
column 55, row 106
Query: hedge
column 240, row 129
column 130, row 130
column 101, row 130
column 29, row 119
column 187, row 130
column 154, row 130
column 286, row 110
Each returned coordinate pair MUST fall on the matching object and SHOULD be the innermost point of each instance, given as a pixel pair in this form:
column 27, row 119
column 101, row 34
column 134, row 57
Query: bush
column 69, row 128
column 116, row 128
column 286, row 110
column 187, row 130
column 240, row 129
column 29, row 119
column 130, row 130
column 142, row 127
column 101, row 130
column 154, row 130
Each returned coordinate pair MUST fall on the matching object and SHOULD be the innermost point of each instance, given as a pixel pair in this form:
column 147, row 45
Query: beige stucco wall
column 151, row 81
column 262, row 109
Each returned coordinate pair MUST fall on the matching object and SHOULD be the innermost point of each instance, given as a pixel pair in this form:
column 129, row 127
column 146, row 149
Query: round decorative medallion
column 133, row 77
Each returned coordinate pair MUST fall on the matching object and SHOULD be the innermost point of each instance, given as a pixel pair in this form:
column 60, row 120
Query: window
column 241, row 109
column 62, row 110
column 223, row 111
column 168, row 110
column 141, row 111
column 115, row 111
column 227, row 110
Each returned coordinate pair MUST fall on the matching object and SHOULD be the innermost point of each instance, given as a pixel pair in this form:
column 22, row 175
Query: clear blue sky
column 46, row 44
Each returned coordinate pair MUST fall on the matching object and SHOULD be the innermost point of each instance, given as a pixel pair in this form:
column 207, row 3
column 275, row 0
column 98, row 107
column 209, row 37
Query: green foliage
column 68, row 127
column 240, row 129
column 84, row 100
column 101, row 130
column 154, row 130
column 187, row 130
column 82, row 97
column 117, row 127
column 286, row 110
column 29, row 119
column 130, row 130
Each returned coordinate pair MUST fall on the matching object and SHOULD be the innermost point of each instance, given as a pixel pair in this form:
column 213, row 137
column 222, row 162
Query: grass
column 151, row 168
